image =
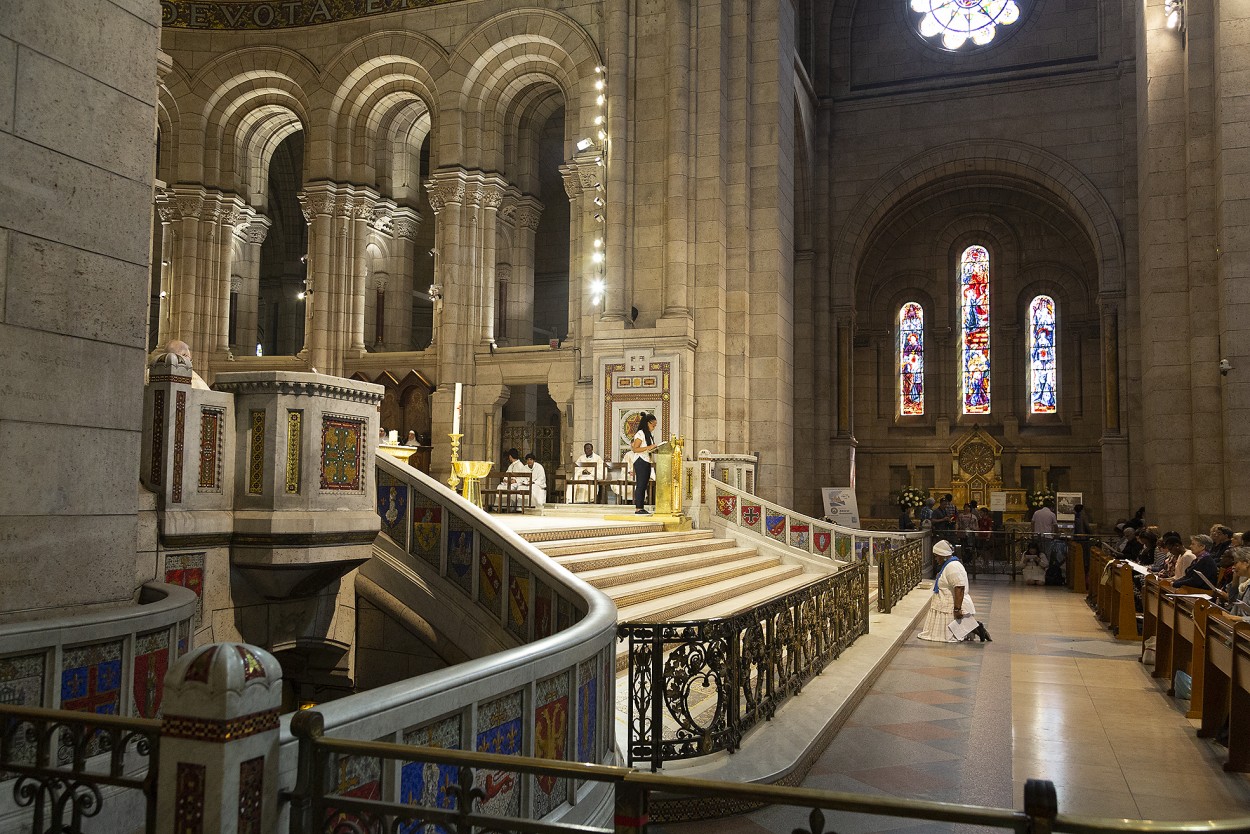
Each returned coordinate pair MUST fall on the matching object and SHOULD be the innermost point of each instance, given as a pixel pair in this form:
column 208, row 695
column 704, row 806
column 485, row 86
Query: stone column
column 405, row 222
column 447, row 199
column 843, row 442
column 676, row 295
column 1232, row 243
column 338, row 218
column 521, row 288
column 219, row 741
column 253, row 234
column 490, row 194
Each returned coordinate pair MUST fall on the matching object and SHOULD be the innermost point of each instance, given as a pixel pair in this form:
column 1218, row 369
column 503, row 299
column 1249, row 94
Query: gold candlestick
column 454, row 480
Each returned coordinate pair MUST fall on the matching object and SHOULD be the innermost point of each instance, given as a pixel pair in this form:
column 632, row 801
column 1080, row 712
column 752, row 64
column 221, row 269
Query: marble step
column 757, row 597
column 624, row 529
column 677, row 606
column 571, row 545
column 583, row 563
column 667, row 586
column 653, row 564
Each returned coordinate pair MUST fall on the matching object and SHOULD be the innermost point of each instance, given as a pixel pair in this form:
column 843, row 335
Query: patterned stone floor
column 1054, row 697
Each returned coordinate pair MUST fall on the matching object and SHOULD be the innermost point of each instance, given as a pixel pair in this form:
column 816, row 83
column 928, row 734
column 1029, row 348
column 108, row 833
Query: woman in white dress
column 951, row 600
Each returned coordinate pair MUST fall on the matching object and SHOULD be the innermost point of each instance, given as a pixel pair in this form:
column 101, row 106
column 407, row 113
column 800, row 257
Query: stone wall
column 77, row 156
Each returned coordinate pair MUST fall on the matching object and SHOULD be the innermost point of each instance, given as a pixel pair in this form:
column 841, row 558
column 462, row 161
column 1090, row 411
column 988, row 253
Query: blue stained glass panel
column 974, row 289
column 911, row 359
column 1042, row 355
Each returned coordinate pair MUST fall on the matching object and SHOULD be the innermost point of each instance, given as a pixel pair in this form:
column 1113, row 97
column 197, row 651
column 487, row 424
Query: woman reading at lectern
column 642, row 446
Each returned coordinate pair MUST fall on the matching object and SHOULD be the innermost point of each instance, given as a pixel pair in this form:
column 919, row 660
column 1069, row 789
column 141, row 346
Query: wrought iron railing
column 898, row 571
column 697, row 687
column 64, row 761
column 459, row 802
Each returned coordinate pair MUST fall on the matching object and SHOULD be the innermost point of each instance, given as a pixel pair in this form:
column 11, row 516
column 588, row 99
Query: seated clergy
column 538, row 480
column 587, row 471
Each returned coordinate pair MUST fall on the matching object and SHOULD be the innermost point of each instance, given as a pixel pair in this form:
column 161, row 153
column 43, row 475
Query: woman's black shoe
column 980, row 631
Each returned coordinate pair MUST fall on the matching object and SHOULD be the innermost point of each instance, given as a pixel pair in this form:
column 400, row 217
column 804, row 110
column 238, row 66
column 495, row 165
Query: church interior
column 991, row 248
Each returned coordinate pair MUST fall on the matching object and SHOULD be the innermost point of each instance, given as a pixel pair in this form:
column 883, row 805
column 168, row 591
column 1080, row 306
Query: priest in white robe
column 587, row 472
column 538, row 480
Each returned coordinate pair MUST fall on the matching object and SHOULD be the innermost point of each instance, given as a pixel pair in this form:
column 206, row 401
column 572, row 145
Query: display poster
column 840, row 506
column 998, row 502
column 1065, row 505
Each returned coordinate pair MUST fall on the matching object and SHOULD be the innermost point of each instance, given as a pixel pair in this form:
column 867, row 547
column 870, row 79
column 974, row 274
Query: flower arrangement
column 1038, row 497
column 911, row 497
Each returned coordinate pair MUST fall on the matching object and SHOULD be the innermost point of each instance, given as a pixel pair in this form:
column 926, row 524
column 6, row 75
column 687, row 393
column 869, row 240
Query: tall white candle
column 455, row 411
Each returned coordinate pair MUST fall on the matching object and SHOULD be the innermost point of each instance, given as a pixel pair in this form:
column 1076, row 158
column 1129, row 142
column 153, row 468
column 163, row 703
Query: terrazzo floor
column 1053, row 697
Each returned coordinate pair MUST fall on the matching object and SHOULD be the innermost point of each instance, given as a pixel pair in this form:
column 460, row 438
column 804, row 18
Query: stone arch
column 253, row 99
column 380, row 81
column 1015, row 161
column 496, row 66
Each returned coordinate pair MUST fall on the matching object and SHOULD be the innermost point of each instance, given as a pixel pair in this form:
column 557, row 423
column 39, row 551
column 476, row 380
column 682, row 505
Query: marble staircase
column 657, row 576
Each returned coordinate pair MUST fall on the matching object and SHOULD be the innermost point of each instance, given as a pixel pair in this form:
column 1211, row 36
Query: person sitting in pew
column 1149, row 540
column 1131, row 551
column 1163, row 556
column 1178, row 558
column 1237, row 589
column 1202, row 564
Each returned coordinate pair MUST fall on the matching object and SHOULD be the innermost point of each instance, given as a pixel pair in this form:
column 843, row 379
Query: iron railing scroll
column 697, row 687
column 899, row 571
column 64, row 762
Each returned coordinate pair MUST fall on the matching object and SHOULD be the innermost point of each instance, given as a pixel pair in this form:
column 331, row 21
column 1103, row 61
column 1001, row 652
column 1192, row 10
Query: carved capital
column 446, row 188
column 572, row 181
column 257, row 229
column 236, row 283
column 503, row 272
column 379, row 282
column 317, row 203
column 529, row 212
column 405, row 223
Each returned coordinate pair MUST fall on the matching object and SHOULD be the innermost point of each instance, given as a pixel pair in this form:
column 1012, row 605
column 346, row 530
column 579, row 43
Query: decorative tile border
column 210, row 449
column 219, row 731
column 158, row 438
column 256, row 454
column 180, row 430
column 294, row 440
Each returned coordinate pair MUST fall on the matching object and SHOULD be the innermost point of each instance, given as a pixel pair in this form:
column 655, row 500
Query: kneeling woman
column 951, row 600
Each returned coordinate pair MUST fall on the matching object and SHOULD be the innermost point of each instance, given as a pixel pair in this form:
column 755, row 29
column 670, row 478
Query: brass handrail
column 635, row 788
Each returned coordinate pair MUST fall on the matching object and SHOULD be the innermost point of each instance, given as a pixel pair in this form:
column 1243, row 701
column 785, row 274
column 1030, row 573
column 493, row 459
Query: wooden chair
column 507, row 492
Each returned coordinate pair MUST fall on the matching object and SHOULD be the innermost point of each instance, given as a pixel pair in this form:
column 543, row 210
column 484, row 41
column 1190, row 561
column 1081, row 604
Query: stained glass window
column 911, row 359
column 1042, row 355
column 960, row 21
column 974, row 329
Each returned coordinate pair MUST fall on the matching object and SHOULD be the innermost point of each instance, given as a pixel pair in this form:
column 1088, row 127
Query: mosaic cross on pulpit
column 341, row 442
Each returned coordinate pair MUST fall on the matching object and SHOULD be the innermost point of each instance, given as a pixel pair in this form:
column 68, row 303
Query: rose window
column 960, row 21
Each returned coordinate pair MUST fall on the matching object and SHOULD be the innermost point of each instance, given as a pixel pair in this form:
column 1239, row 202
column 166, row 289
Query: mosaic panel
column 842, row 546
column 256, row 454
column 752, row 515
column 490, row 575
column 342, row 447
column 427, row 529
column 358, row 777
column 393, row 507
column 460, row 553
column 189, row 798
column 186, row 570
column 426, row 784
column 799, row 535
column 91, row 681
column 520, row 588
column 251, row 795
column 551, row 740
column 210, row 450
column 587, row 711
column 180, row 14
column 822, row 540
column 21, row 685
column 775, row 526
column 564, row 613
column 542, row 610
column 726, row 505
column 184, row 637
column 151, row 663
column 500, row 730
column 180, row 435
column 862, row 549
column 294, row 442
column 158, row 437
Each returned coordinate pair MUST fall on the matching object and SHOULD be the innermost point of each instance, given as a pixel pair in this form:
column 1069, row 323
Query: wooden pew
column 1123, row 609
column 1101, row 593
column 1181, row 643
column 1226, row 689
column 1151, row 594
column 1077, row 577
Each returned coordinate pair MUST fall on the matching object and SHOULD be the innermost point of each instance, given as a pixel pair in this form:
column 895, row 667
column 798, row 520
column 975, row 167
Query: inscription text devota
column 279, row 14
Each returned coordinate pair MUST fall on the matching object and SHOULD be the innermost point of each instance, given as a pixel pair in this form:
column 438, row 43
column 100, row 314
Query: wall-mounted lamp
column 1174, row 10
column 583, row 144
column 1225, row 367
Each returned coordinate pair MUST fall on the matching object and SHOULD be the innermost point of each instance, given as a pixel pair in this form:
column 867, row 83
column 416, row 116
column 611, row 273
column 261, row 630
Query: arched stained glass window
column 974, row 329
column 911, row 359
column 960, row 21
column 1042, row 355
